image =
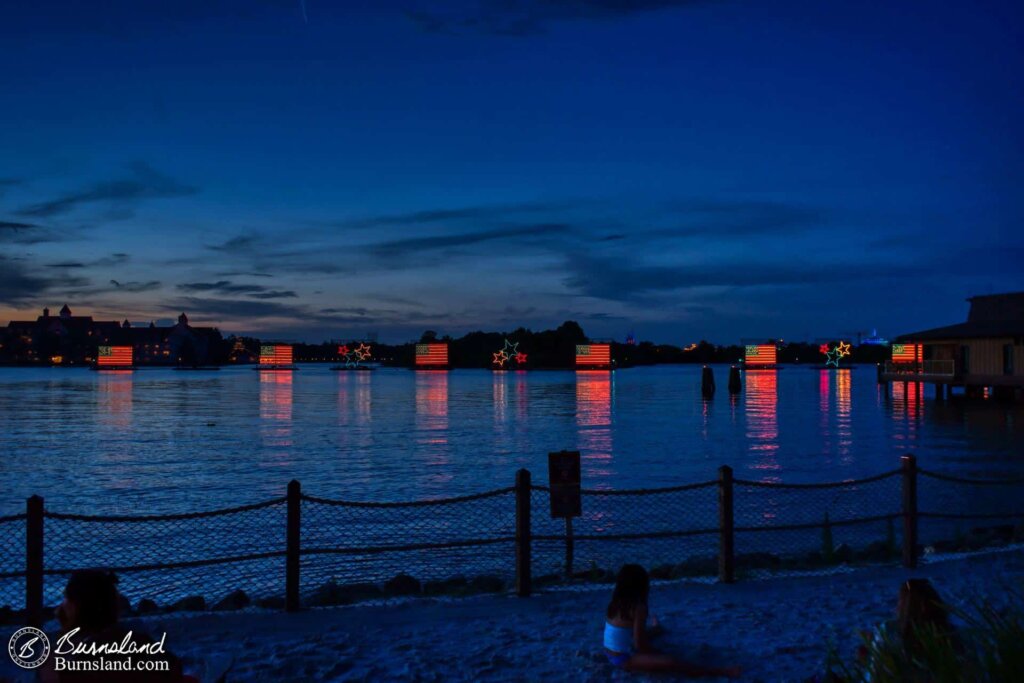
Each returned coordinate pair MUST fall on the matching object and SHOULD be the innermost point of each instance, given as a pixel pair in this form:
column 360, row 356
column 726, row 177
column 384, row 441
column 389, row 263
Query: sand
column 777, row 629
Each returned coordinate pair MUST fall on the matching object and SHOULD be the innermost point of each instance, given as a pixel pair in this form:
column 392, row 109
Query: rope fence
column 304, row 550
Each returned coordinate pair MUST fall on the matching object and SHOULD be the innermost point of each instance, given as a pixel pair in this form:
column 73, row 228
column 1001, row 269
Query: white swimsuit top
column 618, row 638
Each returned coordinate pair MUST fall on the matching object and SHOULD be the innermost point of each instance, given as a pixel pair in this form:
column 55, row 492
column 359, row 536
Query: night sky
column 683, row 169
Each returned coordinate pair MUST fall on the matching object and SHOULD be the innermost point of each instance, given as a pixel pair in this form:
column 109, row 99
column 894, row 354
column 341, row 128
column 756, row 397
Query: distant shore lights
column 593, row 356
column 275, row 355
column 114, row 357
column 759, row 355
column 431, row 355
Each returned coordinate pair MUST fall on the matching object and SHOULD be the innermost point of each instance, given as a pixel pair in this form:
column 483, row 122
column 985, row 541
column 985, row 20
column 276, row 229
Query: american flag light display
column 431, row 354
column 593, row 355
column 276, row 354
column 759, row 354
column 114, row 356
column 906, row 353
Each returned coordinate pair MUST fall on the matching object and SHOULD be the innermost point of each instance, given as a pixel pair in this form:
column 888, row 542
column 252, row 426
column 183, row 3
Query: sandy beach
column 777, row 629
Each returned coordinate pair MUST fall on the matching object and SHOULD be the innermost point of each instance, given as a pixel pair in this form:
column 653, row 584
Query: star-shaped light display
column 509, row 354
column 823, row 348
column 844, row 349
column 833, row 358
column 354, row 357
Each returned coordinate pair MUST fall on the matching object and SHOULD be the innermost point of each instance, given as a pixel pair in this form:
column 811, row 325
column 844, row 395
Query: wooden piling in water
column 707, row 382
column 735, row 383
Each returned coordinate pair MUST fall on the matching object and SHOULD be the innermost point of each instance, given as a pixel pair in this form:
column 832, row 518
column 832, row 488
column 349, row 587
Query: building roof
column 992, row 315
column 1000, row 307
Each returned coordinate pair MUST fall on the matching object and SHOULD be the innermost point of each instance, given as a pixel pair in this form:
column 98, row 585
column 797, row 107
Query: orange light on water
column 432, row 407
column 594, row 391
column 761, row 400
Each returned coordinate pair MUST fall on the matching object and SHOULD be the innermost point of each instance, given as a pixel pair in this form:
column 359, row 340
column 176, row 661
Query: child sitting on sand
column 626, row 637
column 922, row 627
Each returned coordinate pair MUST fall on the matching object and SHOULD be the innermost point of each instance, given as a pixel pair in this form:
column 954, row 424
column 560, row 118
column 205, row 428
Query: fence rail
column 303, row 548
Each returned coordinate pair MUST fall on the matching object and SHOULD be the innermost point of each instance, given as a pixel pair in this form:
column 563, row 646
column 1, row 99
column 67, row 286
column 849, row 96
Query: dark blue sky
column 685, row 169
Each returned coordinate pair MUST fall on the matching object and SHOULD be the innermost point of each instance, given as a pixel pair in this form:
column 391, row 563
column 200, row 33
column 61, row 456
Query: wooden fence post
column 909, row 465
column 570, row 548
column 34, row 561
column 291, row 591
column 726, row 527
column 523, row 542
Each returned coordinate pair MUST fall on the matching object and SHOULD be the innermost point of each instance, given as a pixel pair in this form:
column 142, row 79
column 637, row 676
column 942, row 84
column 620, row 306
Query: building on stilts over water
column 984, row 355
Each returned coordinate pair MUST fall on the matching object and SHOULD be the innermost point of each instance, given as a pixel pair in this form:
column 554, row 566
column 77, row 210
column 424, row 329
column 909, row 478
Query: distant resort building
column 67, row 339
column 984, row 353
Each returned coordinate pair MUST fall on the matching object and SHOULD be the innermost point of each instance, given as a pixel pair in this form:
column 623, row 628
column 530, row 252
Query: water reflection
column 844, row 430
column 355, row 399
column 364, row 398
column 276, row 411
column 499, row 396
column 906, row 410
column 432, row 407
column 762, row 403
column 114, row 398
column 594, row 389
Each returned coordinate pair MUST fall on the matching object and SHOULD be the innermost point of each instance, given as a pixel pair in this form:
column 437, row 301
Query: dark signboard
column 564, row 481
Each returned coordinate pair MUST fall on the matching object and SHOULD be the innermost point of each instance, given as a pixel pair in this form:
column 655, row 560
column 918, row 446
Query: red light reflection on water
column 844, row 430
column 499, row 395
column 432, row 407
column 762, row 402
column 594, row 390
column 114, row 397
column 906, row 410
column 355, row 399
column 276, row 411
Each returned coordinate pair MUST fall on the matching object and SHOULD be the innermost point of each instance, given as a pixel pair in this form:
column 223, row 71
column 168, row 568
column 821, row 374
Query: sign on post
column 564, row 481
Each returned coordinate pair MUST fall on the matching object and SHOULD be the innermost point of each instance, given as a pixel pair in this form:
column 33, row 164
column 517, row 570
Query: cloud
column 417, row 245
column 744, row 217
column 115, row 259
column 527, row 17
column 228, row 287
column 18, row 232
column 619, row 279
column 461, row 214
column 19, row 286
column 136, row 287
column 233, row 308
column 296, row 318
column 241, row 243
column 144, row 183
column 10, row 226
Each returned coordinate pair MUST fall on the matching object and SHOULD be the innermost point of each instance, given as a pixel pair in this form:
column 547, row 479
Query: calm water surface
column 161, row 440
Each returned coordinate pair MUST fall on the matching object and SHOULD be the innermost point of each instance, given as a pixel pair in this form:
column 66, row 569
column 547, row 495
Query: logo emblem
column 29, row 647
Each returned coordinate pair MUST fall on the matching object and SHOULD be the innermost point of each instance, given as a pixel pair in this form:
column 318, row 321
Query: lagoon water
column 159, row 440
